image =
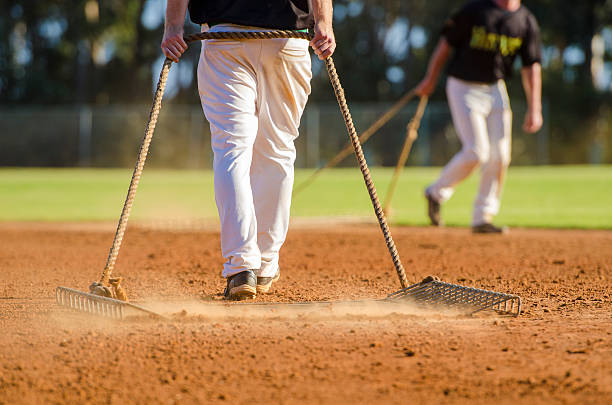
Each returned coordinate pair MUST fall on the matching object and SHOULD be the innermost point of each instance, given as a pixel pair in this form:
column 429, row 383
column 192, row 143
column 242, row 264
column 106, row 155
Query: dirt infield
column 558, row 351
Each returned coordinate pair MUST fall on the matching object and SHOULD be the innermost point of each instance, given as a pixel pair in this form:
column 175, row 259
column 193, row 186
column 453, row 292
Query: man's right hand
column 425, row 87
column 173, row 45
column 533, row 121
column 436, row 63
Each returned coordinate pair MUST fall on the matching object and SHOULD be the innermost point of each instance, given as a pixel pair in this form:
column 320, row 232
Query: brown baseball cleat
column 241, row 286
column 264, row 283
column 433, row 209
column 487, row 227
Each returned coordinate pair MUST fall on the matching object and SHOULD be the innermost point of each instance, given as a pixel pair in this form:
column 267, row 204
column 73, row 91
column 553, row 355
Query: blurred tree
column 80, row 51
column 106, row 51
column 84, row 51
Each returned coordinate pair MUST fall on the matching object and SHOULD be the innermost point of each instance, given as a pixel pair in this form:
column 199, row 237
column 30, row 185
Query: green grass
column 559, row 197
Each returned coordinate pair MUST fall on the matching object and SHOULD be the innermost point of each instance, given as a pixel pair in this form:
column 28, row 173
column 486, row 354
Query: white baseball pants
column 483, row 120
column 253, row 94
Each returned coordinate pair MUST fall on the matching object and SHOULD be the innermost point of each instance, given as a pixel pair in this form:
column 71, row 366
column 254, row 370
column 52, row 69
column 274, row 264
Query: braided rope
column 411, row 135
column 348, row 149
column 363, row 165
column 247, row 35
column 140, row 162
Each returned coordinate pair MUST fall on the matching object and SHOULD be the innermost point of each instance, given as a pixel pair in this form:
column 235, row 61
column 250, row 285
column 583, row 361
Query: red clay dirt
column 558, row 351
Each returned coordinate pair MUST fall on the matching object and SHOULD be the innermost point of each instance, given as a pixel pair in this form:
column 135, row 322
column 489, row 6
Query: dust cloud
column 306, row 310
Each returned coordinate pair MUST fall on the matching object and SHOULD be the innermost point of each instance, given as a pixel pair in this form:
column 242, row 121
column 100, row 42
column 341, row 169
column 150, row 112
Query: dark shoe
column 433, row 209
column 241, row 286
column 264, row 283
column 487, row 227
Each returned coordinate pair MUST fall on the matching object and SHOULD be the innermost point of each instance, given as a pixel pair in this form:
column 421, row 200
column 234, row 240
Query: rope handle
column 244, row 35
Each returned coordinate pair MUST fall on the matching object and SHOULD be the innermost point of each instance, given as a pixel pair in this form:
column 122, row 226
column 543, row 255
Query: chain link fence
column 109, row 136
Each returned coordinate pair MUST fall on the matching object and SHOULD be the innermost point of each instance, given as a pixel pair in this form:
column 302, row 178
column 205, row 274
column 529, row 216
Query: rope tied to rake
column 111, row 287
column 412, row 132
column 116, row 290
column 365, row 135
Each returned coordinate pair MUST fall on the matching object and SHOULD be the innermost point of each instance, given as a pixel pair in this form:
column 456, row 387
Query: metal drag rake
column 432, row 292
column 102, row 298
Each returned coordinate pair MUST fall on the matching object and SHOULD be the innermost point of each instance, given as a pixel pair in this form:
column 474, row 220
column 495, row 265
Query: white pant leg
column 228, row 90
column 284, row 85
column 499, row 123
column 469, row 104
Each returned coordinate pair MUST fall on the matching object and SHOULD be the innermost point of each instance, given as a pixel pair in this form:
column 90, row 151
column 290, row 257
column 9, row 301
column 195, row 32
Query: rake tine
column 477, row 299
column 416, row 290
column 480, row 309
column 456, row 295
column 486, row 300
column 419, row 289
column 429, row 294
column 444, row 296
column 471, row 296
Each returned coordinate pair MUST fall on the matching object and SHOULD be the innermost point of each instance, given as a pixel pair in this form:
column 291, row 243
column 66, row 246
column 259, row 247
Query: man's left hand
column 323, row 43
column 173, row 45
column 533, row 121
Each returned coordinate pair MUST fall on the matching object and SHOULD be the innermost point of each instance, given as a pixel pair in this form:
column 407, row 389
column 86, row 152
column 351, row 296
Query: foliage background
column 106, row 53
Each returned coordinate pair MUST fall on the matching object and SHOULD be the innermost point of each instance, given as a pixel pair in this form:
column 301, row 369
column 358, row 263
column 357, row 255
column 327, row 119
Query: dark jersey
column 487, row 39
column 277, row 14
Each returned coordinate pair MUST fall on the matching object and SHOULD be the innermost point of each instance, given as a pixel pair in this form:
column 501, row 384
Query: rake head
column 98, row 305
column 433, row 292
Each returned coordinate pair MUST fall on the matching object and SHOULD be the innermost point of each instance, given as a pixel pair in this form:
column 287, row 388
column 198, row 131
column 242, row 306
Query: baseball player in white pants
column 485, row 37
column 253, row 94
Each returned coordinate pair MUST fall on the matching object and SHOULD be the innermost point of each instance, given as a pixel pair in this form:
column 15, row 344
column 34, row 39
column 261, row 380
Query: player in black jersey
column 482, row 41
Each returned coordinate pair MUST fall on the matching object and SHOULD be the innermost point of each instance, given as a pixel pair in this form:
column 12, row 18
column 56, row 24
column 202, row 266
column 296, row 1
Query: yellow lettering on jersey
column 479, row 38
column 487, row 41
column 514, row 44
